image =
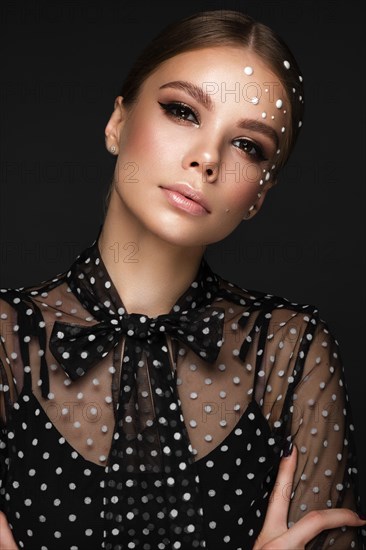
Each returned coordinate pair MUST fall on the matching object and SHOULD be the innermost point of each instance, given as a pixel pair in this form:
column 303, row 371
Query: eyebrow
column 258, row 126
column 205, row 100
column 193, row 90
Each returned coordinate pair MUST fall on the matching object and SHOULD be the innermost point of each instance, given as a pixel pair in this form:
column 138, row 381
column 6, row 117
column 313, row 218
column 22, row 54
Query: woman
column 146, row 401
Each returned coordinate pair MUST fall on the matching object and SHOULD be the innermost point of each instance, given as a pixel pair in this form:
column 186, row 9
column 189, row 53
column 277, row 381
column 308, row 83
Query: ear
column 260, row 200
column 115, row 123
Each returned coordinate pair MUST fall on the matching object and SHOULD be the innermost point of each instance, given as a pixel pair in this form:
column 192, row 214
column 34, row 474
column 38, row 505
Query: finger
column 6, row 538
column 277, row 510
column 315, row 522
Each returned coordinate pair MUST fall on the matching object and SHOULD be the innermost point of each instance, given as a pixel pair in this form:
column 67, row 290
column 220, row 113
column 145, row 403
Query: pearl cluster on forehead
column 249, row 71
column 255, row 100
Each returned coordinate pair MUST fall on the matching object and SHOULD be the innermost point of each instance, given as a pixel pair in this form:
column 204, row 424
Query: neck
column 149, row 272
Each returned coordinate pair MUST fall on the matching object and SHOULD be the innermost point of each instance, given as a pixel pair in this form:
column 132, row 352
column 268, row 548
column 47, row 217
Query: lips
column 188, row 192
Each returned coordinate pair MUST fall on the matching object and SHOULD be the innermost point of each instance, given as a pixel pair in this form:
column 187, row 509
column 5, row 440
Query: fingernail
column 288, row 450
column 362, row 516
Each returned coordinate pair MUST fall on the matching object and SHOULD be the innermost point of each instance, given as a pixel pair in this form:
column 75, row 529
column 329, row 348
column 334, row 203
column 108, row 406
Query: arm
column 7, row 392
column 321, row 427
column 5, row 384
column 275, row 535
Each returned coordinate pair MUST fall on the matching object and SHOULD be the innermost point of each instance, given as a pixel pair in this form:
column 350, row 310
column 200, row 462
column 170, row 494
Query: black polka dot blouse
column 121, row 431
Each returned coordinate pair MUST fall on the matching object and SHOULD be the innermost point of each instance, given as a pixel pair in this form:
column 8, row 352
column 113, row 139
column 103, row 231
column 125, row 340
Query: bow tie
column 150, row 443
column 78, row 348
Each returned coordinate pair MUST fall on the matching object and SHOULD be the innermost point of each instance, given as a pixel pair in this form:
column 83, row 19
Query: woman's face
column 221, row 142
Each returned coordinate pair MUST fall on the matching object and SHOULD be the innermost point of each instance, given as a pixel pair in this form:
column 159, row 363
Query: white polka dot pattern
column 123, row 431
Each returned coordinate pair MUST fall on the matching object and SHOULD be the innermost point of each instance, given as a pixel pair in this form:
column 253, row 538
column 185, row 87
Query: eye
column 179, row 110
column 252, row 149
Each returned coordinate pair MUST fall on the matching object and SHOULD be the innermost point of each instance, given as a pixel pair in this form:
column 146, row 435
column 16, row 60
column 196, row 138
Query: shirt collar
column 90, row 281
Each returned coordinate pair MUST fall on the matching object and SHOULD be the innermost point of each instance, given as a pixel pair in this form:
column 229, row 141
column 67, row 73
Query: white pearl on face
column 286, row 64
column 255, row 100
column 248, row 70
column 264, row 114
column 279, row 103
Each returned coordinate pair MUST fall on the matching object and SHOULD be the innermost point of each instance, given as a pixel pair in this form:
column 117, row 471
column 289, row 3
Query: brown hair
column 222, row 28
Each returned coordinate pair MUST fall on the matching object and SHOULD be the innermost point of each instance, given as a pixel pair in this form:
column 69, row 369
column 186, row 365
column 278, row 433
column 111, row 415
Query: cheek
column 241, row 197
column 241, row 189
column 142, row 142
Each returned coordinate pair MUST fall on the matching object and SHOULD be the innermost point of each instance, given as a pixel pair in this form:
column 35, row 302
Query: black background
column 63, row 67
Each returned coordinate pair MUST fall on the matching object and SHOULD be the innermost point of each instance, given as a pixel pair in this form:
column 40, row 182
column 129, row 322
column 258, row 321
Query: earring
column 112, row 149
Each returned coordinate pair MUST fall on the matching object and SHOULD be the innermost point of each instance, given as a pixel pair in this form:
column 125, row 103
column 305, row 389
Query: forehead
column 219, row 60
column 228, row 74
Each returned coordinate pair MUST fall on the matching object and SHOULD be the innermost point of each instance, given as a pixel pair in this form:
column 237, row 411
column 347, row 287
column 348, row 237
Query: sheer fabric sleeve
column 11, row 370
column 322, row 429
column 3, row 443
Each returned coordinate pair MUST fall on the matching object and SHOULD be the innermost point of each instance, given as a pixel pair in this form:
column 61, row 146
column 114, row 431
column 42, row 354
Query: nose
column 203, row 158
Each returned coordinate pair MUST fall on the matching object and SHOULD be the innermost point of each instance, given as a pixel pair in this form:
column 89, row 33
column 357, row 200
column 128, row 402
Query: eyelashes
column 168, row 108
column 252, row 149
column 247, row 146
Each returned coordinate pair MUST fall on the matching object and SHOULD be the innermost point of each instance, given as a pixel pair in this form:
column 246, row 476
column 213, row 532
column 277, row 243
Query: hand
column 275, row 534
column 6, row 537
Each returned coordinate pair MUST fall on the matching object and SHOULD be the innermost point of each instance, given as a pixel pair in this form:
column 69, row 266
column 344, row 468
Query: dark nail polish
column 362, row 516
column 288, row 449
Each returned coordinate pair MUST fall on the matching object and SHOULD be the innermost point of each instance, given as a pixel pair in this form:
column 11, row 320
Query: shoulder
column 281, row 306
column 9, row 300
column 286, row 321
column 17, row 304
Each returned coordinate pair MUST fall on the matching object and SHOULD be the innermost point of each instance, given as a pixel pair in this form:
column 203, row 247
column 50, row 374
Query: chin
column 176, row 235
